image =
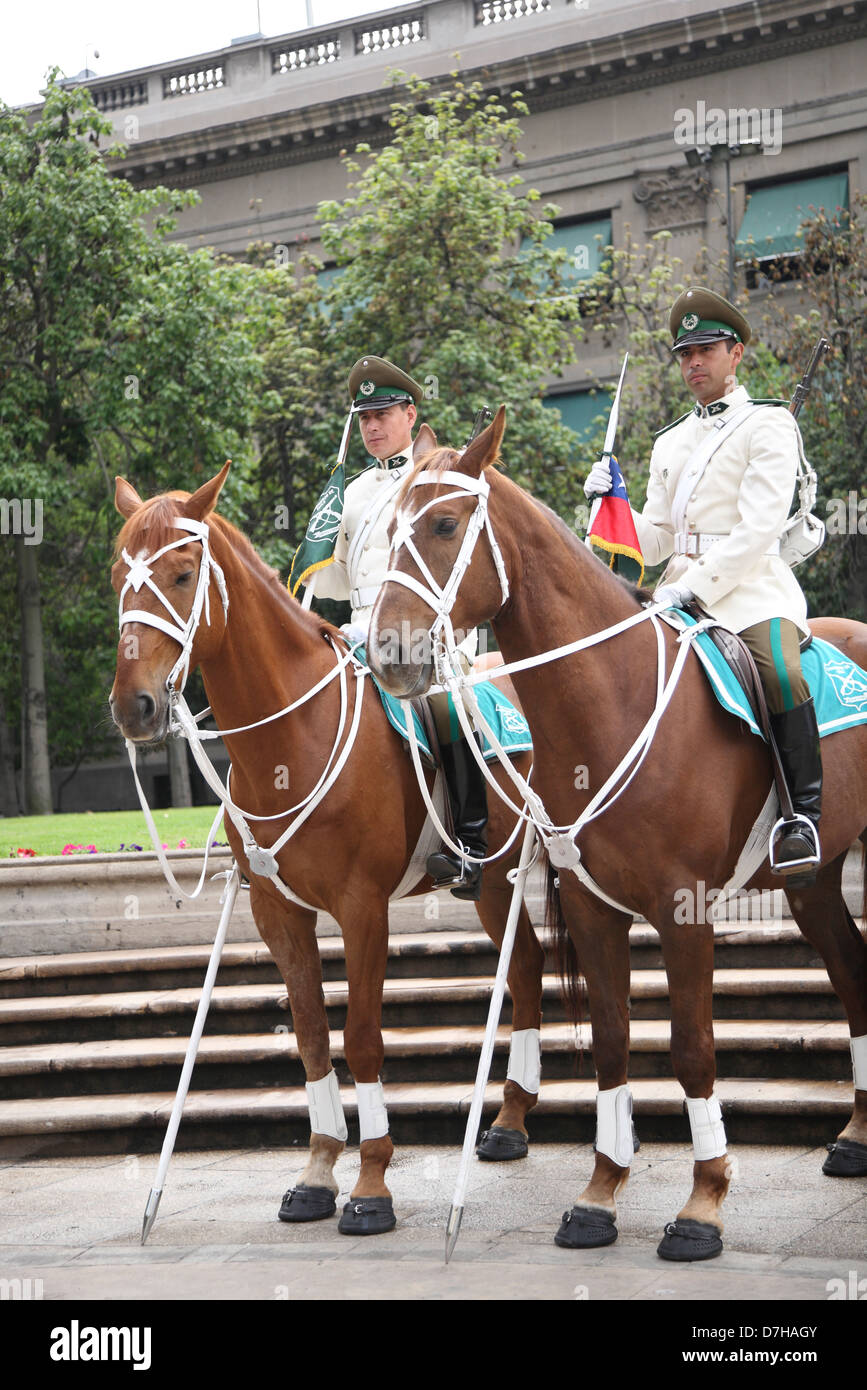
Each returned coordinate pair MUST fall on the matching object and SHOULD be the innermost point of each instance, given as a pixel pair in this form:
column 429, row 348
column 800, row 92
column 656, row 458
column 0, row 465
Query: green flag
column 317, row 548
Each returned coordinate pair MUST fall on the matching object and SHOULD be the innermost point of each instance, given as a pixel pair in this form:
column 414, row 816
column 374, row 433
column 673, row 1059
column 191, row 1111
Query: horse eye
column 185, row 577
column 445, row 526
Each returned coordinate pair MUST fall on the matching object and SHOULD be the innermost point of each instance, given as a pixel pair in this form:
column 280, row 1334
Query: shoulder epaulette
column 666, row 428
column 767, row 400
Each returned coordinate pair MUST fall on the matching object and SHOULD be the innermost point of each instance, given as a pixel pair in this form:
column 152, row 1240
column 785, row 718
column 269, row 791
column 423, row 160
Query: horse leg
column 289, row 932
column 370, row 1210
column 600, row 936
column 824, row 919
column 696, row 1233
column 507, row 1137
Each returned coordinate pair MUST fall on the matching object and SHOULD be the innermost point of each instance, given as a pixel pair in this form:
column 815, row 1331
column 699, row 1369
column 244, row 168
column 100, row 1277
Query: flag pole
column 610, row 435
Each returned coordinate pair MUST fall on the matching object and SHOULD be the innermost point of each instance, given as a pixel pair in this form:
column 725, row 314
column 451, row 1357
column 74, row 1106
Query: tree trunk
column 36, row 778
column 179, row 772
column 9, row 803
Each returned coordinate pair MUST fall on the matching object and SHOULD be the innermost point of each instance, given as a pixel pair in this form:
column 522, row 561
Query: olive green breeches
column 775, row 648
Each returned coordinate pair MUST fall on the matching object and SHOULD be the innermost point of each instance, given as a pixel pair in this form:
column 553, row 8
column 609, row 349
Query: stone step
column 791, row 993
column 744, row 1048
column 755, row 1110
column 442, row 952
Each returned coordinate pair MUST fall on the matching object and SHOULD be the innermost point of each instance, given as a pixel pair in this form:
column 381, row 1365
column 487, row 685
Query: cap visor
column 710, row 335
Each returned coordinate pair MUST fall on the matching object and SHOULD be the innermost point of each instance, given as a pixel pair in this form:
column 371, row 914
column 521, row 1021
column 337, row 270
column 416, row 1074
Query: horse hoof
column 499, row 1145
column 690, row 1240
column 367, row 1216
column 307, row 1204
column 846, row 1159
column 582, row 1229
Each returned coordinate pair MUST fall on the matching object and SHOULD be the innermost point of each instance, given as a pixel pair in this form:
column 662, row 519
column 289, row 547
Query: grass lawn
column 107, row 830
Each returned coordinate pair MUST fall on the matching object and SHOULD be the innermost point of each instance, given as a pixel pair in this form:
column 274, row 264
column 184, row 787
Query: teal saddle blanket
column 508, row 725
column 838, row 686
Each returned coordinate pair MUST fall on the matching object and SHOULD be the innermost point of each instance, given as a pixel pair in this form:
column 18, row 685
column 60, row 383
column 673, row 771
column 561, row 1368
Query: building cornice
column 567, row 74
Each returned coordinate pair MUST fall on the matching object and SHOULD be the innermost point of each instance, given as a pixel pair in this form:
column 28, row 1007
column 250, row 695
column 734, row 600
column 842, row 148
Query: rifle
column 804, row 533
column 483, row 416
column 802, row 390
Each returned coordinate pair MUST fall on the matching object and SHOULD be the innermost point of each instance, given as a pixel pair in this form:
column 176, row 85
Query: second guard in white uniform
column 386, row 401
column 720, row 491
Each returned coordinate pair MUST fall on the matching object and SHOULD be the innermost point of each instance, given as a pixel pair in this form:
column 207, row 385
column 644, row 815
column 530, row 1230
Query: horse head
column 439, row 579
column 162, row 577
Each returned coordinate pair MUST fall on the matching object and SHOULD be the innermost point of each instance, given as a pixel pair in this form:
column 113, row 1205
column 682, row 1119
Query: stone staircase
column 92, row 1040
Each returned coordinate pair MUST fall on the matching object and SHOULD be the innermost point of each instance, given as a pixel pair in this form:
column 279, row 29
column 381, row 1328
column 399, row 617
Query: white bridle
column 559, row 841
column 442, row 599
column 261, row 860
column 183, row 631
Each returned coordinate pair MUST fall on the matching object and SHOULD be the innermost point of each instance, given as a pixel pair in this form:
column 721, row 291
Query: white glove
column 673, row 595
column 598, row 480
column 354, row 634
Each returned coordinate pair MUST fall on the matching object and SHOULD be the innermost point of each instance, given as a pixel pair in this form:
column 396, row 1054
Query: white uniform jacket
column 743, row 498
column 361, row 553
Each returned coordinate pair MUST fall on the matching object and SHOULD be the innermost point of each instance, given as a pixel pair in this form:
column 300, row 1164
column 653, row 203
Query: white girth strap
column 614, row 1125
column 708, row 1131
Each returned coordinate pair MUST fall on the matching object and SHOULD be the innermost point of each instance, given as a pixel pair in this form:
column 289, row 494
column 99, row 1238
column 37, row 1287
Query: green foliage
column 435, row 277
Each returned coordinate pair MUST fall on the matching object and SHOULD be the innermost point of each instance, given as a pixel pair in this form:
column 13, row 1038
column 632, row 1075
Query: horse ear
column 425, row 442
column 204, row 500
column 126, row 499
column 485, row 448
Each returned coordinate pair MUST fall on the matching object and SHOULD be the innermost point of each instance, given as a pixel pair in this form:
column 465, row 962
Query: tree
column 445, row 271
column 117, row 350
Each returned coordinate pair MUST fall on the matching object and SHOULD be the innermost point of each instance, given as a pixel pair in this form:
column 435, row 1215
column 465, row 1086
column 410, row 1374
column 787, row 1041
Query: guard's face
column 387, row 432
column 710, row 369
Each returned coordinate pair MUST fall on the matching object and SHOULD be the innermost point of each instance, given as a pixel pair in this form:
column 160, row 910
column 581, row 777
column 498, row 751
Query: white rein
column 559, row 841
column 262, row 860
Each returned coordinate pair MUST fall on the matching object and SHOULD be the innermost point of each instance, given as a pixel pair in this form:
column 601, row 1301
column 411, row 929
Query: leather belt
column 697, row 542
column 364, row 598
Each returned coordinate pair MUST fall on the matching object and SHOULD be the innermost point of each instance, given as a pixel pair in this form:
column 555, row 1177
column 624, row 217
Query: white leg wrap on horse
column 708, row 1132
column 859, row 1062
column 326, row 1107
column 525, row 1059
column 614, row 1125
column 372, row 1114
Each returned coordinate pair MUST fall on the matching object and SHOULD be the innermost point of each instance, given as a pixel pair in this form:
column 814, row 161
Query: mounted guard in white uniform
column 721, row 484
column 386, row 401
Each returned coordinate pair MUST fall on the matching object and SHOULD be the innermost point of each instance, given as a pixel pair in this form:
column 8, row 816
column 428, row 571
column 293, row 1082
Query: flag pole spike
column 150, row 1212
column 456, row 1216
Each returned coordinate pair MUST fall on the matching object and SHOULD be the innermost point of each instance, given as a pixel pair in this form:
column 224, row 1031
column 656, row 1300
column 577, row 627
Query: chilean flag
column 612, row 529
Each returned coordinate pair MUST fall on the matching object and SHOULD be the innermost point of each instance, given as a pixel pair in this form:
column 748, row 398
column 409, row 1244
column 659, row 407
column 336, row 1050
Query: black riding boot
column 797, row 736
column 467, row 797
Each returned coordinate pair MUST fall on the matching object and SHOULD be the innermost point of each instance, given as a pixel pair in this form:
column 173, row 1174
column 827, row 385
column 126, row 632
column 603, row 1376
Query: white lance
column 228, row 902
column 519, row 878
column 610, row 436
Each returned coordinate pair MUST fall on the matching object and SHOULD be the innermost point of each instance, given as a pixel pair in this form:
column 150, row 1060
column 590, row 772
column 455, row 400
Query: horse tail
column 863, row 838
column 562, row 946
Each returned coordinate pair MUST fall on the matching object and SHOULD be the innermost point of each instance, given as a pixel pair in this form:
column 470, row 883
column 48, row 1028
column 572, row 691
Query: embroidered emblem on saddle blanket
column 838, row 686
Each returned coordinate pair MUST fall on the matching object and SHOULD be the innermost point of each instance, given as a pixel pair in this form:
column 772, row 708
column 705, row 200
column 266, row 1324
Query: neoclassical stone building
column 766, row 98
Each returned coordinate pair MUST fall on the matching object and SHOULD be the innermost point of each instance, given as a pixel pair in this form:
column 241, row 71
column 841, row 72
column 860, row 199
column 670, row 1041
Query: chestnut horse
column 683, row 818
column 257, row 656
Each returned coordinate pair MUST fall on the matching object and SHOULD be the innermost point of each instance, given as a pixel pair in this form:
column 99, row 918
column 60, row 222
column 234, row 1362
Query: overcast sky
column 134, row 33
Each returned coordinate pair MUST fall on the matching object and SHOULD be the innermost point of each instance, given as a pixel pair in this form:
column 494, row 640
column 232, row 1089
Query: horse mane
column 151, row 527
column 636, row 591
column 439, row 460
